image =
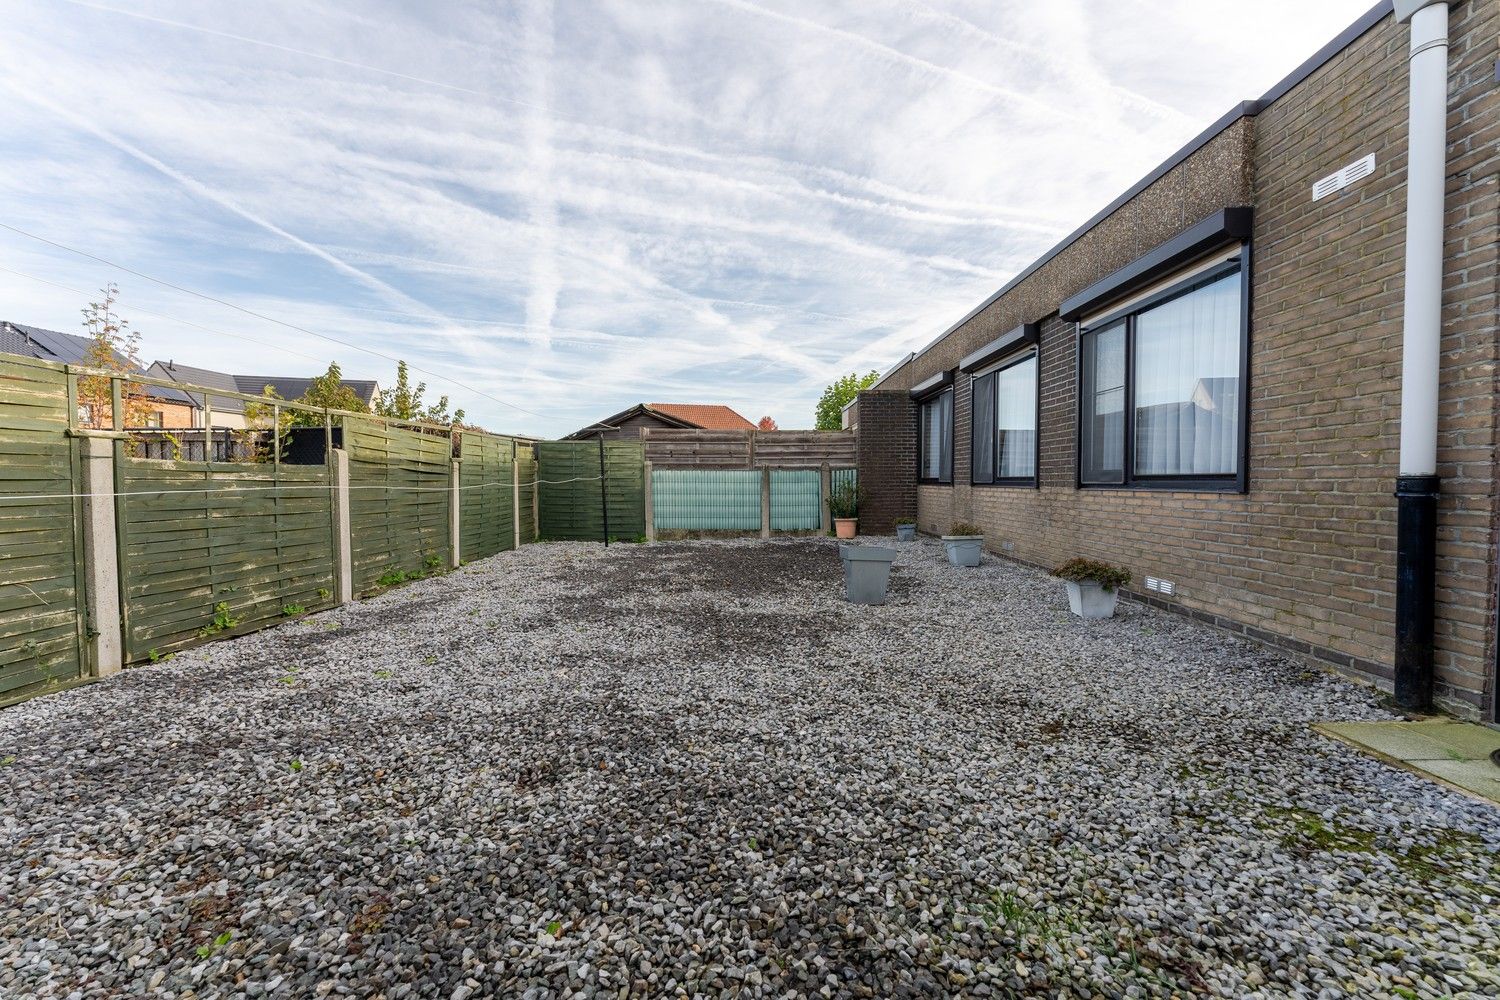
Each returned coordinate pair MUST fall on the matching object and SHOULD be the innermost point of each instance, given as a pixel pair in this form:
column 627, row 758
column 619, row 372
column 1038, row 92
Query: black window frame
column 1235, row 482
column 946, row 478
column 1033, row 481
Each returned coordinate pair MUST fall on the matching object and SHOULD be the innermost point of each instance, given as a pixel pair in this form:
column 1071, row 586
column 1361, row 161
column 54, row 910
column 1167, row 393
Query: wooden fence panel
column 256, row 538
column 570, row 499
column 673, row 448
column 527, row 470
column 486, row 515
column 399, row 480
column 42, row 634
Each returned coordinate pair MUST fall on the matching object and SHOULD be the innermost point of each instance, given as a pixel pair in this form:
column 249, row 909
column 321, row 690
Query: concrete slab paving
column 1456, row 753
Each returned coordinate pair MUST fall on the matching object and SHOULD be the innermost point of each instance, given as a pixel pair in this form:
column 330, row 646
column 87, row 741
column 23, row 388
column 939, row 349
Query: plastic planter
column 867, row 571
column 906, row 532
column 1089, row 600
column 964, row 550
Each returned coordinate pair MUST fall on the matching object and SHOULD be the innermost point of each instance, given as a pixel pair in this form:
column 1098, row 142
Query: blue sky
column 575, row 206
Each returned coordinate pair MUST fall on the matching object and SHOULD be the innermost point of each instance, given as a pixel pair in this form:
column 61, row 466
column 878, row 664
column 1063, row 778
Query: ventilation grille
column 1340, row 179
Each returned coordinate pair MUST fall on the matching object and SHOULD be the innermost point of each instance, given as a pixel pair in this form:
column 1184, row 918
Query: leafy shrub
column 964, row 528
column 906, row 520
column 845, row 498
column 1092, row 571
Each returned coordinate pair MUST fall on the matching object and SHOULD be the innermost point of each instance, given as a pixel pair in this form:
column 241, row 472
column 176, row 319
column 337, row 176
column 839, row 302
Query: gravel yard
column 691, row 768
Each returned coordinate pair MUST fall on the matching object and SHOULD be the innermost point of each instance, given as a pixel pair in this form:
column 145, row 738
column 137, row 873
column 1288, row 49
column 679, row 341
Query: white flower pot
column 906, row 532
column 1089, row 600
column 964, row 550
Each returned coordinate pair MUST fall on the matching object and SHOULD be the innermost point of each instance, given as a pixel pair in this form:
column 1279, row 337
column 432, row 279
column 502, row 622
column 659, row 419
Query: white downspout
column 1426, row 176
column 1417, row 485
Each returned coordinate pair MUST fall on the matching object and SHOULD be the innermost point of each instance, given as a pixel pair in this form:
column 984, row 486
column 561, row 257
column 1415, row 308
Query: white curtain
column 1104, row 405
column 1187, row 387
column 1015, row 421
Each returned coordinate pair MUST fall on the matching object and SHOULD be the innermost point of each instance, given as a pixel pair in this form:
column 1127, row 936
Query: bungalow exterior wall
column 1305, row 558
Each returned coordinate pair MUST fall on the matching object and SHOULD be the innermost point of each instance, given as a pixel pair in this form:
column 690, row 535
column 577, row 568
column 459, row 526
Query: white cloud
column 581, row 204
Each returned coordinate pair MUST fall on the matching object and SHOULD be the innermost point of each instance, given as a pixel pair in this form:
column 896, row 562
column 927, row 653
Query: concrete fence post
column 455, row 499
column 101, row 557
column 765, row 502
column 515, row 499
column 825, row 489
column 650, row 505
column 536, row 504
column 343, row 553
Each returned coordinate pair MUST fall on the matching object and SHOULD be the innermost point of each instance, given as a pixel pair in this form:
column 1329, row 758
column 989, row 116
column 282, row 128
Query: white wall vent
column 1340, row 179
column 1160, row 586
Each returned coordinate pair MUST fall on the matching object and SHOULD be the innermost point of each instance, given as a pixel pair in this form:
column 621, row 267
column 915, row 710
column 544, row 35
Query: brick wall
column 887, row 459
column 1305, row 560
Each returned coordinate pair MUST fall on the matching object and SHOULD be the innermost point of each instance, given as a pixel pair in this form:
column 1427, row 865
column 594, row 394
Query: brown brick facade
column 1305, row 558
column 887, row 425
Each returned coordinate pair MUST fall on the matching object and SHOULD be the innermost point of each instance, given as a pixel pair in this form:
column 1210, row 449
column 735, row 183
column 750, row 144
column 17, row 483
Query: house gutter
column 1417, row 482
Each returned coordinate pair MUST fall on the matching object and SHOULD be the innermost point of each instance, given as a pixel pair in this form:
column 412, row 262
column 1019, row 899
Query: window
column 154, row 419
column 936, row 429
column 1004, row 426
column 1160, row 394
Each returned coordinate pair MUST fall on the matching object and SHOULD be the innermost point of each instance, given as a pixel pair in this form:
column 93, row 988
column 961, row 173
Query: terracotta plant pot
column 844, row 527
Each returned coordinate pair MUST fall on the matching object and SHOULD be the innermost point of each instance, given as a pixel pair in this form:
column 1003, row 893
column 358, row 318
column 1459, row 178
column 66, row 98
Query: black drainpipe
column 1416, row 570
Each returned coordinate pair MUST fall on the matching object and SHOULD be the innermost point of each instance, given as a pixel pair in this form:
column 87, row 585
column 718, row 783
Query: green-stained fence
column 487, row 495
column 237, row 543
column 705, row 499
column 570, row 503
column 42, row 640
column 796, row 499
column 399, row 482
column 526, row 468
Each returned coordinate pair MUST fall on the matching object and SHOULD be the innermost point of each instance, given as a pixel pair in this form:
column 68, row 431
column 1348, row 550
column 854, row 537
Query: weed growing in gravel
column 290, row 677
column 432, row 562
column 429, row 660
column 7, row 760
column 555, row 928
column 205, row 950
column 324, row 593
column 293, row 610
column 296, row 766
column 156, row 656
column 222, row 620
column 383, row 675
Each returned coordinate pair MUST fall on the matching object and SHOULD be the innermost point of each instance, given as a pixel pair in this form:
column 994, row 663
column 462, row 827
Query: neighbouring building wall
column 1305, row 559
column 175, row 416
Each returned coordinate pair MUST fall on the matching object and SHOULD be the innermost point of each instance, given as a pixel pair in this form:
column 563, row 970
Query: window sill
column 1197, row 486
column 1029, row 484
column 934, row 482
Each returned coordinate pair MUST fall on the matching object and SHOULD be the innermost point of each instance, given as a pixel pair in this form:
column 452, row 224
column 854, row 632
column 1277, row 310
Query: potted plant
column 1092, row 586
column 867, row 572
column 906, row 529
column 843, row 504
column 965, row 543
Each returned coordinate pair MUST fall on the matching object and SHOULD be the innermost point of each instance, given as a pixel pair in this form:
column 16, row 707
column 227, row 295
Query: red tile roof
column 708, row 416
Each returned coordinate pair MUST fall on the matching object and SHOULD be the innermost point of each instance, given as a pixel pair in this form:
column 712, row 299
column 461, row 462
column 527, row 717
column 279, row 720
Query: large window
column 937, row 438
column 1160, row 389
column 1004, row 425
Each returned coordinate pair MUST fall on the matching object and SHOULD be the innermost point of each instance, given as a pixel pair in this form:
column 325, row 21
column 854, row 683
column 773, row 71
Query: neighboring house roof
column 71, row 349
column 689, row 416
column 709, row 416
column 288, row 387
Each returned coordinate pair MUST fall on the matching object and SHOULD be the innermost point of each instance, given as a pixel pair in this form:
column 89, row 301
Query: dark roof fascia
column 1245, row 109
column 1225, row 226
column 1021, row 336
column 936, row 384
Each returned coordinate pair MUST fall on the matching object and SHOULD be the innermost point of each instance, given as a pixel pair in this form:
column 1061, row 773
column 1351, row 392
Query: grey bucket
column 906, row 532
column 964, row 550
column 867, row 570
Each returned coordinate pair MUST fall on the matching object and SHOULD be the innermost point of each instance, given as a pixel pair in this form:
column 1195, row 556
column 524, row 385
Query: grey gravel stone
column 693, row 769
